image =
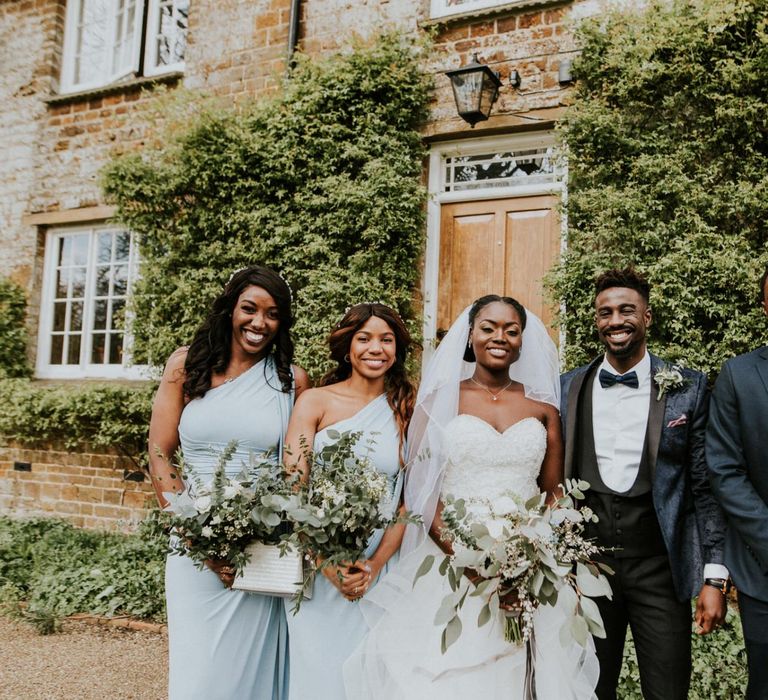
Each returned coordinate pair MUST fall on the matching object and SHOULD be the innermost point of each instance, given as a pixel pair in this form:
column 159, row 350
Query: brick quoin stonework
column 85, row 488
column 53, row 146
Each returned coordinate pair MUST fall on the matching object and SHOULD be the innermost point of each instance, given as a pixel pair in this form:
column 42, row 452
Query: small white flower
column 215, row 520
column 203, row 504
column 320, row 513
column 207, row 532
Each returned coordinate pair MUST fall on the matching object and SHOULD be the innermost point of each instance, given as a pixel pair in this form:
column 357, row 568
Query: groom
column 634, row 429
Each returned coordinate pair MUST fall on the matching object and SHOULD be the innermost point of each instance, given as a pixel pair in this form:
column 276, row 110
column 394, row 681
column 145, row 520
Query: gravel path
column 83, row 662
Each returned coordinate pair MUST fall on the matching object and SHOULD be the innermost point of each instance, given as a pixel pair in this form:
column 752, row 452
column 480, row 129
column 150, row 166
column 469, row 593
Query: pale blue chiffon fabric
column 224, row 644
column 328, row 628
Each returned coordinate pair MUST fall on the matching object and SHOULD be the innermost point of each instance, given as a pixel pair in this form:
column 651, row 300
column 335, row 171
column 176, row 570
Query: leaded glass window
column 469, row 172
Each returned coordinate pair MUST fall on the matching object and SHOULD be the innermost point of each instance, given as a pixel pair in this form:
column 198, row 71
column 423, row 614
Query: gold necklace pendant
column 494, row 397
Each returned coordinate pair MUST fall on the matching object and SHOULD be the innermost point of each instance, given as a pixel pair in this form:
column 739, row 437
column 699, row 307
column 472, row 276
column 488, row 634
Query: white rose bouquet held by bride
column 337, row 511
column 221, row 518
column 529, row 552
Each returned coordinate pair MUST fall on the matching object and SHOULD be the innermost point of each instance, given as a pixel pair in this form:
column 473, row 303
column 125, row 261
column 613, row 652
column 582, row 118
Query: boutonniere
column 668, row 378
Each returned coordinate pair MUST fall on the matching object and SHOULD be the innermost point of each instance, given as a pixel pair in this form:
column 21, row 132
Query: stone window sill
column 131, row 85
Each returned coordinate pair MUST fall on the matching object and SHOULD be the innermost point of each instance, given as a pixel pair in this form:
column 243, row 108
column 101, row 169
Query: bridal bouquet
column 530, row 552
column 220, row 518
column 336, row 512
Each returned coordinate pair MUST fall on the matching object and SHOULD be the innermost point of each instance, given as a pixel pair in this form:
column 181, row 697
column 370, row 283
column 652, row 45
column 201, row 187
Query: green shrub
column 321, row 183
column 59, row 570
column 668, row 165
column 13, row 332
column 101, row 415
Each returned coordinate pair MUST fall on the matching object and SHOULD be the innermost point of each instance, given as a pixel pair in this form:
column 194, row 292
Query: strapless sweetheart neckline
column 494, row 428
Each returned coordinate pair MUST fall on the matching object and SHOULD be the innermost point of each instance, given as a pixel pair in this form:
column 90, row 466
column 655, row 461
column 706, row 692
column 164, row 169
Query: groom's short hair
column 627, row 277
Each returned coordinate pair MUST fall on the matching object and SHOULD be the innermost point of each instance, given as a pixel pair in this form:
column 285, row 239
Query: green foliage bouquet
column 336, row 512
column 220, row 518
column 531, row 551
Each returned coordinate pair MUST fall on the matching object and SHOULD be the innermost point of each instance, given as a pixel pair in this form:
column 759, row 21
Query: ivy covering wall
column 668, row 159
column 321, row 183
column 13, row 335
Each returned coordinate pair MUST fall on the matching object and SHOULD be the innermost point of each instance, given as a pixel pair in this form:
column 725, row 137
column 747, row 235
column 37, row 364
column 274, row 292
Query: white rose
column 504, row 505
column 206, row 532
column 203, row 504
column 320, row 513
column 478, row 511
column 231, row 491
column 495, row 527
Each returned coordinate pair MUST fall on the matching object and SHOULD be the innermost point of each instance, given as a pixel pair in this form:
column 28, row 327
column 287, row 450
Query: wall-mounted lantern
column 475, row 89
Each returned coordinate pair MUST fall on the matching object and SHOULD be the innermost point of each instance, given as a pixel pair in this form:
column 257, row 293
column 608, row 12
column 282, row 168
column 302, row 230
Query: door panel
column 500, row 246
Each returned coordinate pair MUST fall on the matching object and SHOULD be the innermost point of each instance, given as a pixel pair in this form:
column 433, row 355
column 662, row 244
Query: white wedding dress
column 401, row 657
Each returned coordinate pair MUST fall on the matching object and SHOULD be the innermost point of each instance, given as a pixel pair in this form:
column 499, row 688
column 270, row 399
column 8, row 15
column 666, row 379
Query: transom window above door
column 88, row 276
column 108, row 40
column 470, row 172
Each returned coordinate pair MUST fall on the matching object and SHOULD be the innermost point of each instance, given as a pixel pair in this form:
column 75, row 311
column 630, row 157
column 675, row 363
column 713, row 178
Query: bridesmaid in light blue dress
column 367, row 392
column 234, row 382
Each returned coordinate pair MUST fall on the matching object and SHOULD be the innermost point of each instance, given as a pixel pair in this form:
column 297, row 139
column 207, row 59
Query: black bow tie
column 609, row 379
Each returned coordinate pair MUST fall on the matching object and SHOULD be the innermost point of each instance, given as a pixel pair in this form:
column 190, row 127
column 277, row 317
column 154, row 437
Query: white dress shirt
column 619, row 424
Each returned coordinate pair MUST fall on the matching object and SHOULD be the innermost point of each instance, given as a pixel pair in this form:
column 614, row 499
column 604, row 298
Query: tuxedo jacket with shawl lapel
column 737, row 455
column 691, row 521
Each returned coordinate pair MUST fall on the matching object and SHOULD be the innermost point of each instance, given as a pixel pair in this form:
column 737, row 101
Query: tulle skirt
column 401, row 655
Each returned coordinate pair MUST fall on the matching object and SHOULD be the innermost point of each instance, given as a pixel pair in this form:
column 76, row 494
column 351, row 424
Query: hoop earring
column 346, row 358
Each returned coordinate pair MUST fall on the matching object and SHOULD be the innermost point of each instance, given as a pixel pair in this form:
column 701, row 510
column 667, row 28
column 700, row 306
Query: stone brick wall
column 30, row 34
column 85, row 488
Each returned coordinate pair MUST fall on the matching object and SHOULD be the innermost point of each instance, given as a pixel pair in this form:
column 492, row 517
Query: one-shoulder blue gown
column 328, row 627
column 225, row 644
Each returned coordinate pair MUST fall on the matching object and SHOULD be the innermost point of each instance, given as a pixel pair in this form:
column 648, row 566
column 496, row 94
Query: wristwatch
column 722, row 584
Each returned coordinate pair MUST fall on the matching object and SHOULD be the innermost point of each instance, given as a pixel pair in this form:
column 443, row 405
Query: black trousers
column 754, row 621
column 644, row 598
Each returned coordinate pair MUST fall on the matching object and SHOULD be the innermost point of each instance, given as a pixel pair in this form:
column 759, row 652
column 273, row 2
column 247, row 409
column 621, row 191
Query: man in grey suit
column 737, row 456
column 634, row 429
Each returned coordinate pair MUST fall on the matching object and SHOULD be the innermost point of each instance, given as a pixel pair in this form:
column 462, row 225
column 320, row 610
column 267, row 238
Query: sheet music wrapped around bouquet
column 337, row 510
column 529, row 552
column 239, row 519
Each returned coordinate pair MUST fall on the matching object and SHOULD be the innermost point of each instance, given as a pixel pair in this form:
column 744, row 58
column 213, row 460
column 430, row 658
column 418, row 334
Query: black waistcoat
column 627, row 521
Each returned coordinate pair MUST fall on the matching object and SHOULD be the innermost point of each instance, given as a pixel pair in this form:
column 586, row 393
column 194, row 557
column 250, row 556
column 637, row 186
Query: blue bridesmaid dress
column 226, row 644
column 328, row 627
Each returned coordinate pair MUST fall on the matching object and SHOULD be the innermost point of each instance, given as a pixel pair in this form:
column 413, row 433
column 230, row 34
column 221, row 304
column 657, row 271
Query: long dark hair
column 401, row 394
column 481, row 303
column 211, row 348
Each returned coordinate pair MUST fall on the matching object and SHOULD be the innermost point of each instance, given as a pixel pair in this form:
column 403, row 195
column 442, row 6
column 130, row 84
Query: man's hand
column 710, row 610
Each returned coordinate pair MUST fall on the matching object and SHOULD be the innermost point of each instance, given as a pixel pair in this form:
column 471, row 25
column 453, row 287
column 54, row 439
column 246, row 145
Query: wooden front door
column 497, row 246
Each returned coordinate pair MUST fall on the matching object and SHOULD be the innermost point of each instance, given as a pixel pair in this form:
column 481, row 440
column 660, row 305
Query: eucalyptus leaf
column 424, row 567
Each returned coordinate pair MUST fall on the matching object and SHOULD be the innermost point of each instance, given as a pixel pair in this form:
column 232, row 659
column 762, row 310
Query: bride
column 486, row 425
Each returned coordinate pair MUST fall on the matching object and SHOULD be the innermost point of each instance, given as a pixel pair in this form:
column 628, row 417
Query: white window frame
column 151, row 66
column 85, row 368
column 442, row 8
column 112, row 73
column 438, row 196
